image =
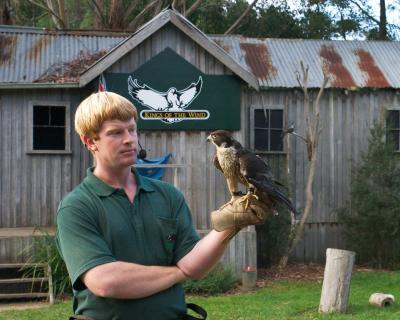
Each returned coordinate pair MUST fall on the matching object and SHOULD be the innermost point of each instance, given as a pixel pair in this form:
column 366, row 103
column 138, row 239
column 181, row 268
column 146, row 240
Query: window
column 266, row 126
column 393, row 125
column 50, row 127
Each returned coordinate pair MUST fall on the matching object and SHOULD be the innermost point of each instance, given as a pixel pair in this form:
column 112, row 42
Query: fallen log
column 381, row 299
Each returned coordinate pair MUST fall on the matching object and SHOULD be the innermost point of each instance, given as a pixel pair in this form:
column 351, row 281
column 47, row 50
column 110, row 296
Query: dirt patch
column 22, row 305
column 293, row 272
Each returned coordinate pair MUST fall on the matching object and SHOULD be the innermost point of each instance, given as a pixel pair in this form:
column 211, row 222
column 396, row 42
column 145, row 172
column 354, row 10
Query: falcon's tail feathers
column 274, row 191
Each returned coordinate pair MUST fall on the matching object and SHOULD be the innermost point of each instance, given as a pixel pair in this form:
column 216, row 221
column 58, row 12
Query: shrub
column 43, row 250
column 272, row 238
column 372, row 219
column 219, row 280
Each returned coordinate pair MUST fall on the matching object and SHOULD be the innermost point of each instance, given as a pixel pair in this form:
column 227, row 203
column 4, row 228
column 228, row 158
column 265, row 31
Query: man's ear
column 89, row 143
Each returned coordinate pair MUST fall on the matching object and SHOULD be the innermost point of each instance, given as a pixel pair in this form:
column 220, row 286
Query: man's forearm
column 205, row 254
column 123, row 280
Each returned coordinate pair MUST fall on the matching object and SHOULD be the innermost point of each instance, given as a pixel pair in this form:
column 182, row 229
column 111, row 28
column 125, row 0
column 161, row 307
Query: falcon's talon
column 230, row 202
column 247, row 198
column 225, row 205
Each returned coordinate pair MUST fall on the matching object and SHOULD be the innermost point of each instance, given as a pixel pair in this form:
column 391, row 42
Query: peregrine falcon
column 239, row 165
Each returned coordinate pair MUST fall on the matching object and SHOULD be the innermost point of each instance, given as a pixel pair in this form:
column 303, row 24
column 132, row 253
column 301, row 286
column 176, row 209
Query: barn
column 249, row 86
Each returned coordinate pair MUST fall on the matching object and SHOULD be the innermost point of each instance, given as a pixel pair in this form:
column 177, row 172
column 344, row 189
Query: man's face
column 116, row 144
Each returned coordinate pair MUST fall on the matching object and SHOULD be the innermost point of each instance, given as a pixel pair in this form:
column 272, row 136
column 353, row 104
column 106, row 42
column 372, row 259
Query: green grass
column 278, row 300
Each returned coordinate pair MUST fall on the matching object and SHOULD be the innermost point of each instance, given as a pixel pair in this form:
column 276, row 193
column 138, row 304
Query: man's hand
column 240, row 213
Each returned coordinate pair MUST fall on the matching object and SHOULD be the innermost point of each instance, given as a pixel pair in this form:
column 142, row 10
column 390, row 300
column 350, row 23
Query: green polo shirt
column 97, row 224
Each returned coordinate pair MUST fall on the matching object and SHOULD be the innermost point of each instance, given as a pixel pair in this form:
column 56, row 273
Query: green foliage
column 210, row 17
column 317, row 25
column 310, row 19
column 272, row 238
column 219, row 280
column 43, row 250
column 372, row 219
column 277, row 22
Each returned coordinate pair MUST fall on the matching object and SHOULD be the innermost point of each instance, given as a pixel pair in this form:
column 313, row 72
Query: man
column 128, row 241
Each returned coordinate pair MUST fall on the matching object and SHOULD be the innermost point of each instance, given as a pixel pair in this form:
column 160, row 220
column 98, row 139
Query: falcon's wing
column 187, row 95
column 272, row 190
column 216, row 164
column 147, row 96
column 258, row 174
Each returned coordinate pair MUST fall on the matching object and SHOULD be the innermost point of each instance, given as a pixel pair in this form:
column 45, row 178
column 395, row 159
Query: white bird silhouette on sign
column 172, row 100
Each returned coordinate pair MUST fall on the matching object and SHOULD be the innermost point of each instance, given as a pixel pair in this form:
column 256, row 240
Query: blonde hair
column 99, row 107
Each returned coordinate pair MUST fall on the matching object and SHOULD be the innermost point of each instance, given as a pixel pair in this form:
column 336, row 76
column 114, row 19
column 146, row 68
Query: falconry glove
column 240, row 213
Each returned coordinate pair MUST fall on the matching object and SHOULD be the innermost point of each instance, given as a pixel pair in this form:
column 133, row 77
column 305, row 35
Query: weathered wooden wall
column 346, row 118
column 32, row 184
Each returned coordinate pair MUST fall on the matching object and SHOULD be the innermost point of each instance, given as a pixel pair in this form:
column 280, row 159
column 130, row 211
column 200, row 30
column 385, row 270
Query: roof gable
column 184, row 25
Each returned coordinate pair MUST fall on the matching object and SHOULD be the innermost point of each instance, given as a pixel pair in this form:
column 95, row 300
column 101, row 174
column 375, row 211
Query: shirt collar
column 104, row 190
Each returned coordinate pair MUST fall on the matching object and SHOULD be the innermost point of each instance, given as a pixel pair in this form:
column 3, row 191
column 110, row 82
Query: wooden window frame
column 252, row 127
column 67, row 105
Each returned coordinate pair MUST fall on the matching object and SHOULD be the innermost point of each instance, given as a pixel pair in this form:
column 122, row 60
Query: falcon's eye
column 213, row 136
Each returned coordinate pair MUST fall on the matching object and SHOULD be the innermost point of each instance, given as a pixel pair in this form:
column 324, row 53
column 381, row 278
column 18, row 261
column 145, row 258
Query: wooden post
column 337, row 278
column 51, row 289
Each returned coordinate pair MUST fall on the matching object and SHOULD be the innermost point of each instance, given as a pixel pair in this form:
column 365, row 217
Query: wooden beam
column 26, row 232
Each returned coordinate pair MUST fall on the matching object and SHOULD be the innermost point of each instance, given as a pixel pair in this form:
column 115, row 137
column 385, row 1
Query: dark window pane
column 276, row 119
column 57, row 116
column 276, row 140
column 261, row 139
column 41, row 115
column 393, row 119
column 261, row 118
column 48, row 138
column 394, row 136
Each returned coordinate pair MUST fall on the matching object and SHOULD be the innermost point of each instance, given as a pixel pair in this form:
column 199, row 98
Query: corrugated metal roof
column 350, row 64
column 34, row 55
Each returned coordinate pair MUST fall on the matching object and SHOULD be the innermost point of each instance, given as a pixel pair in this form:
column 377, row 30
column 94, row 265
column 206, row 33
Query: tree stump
column 337, row 278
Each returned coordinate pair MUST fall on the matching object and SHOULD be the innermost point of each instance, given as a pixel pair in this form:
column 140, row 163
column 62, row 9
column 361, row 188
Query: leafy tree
column 317, row 25
column 277, row 22
column 210, row 17
column 372, row 219
column 312, row 19
column 360, row 15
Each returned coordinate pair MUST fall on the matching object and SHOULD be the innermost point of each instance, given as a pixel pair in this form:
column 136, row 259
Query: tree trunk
column 337, row 278
column 382, row 21
column 243, row 15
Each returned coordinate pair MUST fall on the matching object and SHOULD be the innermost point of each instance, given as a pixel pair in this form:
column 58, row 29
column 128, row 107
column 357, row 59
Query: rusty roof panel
column 7, row 49
column 351, row 64
column 29, row 55
column 39, row 46
column 332, row 62
column 375, row 77
column 258, row 58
